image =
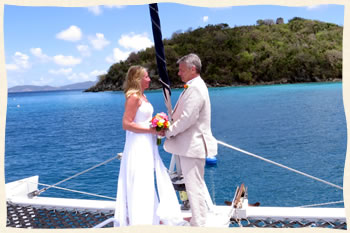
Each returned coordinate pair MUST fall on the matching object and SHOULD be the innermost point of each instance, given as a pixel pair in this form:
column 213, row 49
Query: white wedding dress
column 137, row 199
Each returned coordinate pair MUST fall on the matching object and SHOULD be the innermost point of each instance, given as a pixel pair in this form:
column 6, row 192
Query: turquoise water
column 58, row 134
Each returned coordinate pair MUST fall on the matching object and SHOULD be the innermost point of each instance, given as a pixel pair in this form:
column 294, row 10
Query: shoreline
column 180, row 87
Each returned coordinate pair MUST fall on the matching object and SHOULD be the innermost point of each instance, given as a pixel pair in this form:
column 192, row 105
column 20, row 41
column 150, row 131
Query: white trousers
column 193, row 172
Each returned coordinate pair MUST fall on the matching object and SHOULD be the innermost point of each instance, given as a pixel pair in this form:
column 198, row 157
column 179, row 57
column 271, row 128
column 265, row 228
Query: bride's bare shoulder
column 133, row 99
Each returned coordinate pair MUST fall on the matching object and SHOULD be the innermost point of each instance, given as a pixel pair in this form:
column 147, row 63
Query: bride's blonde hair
column 132, row 83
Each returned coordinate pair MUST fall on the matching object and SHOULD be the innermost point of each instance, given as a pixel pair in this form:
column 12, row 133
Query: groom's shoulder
column 199, row 82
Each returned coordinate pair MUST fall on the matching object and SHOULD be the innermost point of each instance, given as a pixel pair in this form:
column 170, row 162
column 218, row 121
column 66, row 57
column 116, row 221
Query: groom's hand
column 161, row 133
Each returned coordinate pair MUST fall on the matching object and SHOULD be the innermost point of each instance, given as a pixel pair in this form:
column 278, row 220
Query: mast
column 160, row 56
column 164, row 79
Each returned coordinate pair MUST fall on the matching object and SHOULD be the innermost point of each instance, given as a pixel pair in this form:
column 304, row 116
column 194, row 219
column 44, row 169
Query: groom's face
column 185, row 72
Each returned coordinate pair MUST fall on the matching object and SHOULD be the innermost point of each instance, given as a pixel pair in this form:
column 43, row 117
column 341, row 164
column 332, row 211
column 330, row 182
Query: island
column 270, row 52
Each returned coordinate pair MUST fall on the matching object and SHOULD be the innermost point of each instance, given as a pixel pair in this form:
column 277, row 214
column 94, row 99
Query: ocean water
column 58, row 134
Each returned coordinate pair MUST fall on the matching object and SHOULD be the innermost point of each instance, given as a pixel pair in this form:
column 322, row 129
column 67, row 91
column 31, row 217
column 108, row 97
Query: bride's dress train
column 137, row 199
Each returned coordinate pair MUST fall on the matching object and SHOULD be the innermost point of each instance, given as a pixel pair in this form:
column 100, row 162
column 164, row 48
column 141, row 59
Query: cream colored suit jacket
column 189, row 133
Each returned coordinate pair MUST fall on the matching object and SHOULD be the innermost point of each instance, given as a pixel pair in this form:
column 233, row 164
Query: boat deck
column 20, row 216
column 48, row 212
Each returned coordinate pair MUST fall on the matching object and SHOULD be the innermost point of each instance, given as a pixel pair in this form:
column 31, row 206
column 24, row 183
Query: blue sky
column 63, row 45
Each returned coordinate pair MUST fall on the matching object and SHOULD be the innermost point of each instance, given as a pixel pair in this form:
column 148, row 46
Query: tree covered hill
column 267, row 53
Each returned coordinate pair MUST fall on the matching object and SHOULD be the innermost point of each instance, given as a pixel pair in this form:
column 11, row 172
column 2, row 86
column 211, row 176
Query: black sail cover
column 160, row 56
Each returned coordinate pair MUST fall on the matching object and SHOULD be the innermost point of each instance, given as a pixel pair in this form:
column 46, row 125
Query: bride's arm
column 132, row 103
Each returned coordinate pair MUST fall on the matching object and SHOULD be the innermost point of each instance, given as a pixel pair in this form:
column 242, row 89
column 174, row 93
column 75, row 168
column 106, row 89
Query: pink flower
column 160, row 121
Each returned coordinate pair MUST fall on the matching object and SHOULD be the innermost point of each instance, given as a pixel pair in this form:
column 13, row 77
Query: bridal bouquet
column 160, row 121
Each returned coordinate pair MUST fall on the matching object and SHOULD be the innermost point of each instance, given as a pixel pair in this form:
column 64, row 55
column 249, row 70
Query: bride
column 138, row 199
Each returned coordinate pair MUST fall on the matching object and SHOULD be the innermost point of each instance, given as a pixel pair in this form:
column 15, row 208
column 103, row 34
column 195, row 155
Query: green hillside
column 267, row 53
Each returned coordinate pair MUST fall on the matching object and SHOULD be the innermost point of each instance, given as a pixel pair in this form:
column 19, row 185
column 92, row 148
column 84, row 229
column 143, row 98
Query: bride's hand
column 153, row 131
column 160, row 133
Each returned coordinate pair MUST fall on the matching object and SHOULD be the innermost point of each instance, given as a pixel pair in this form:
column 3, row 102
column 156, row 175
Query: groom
column 190, row 136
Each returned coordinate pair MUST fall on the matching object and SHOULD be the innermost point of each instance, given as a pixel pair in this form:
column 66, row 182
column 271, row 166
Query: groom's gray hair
column 191, row 60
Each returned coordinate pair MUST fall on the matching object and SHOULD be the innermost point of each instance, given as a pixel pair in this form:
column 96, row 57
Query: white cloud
column 96, row 73
column 20, row 62
column 84, row 50
column 37, row 52
column 135, row 42
column 110, row 59
column 61, row 71
column 99, row 41
column 12, row 67
column 21, row 59
column 315, row 7
column 205, row 18
column 73, row 33
column 115, row 6
column 78, row 77
column 131, row 43
column 66, row 60
column 96, row 10
column 83, row 77
column 117, row 56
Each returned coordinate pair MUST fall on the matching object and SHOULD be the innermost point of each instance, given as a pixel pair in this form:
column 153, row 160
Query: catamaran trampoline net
column 30, row 217
column 270, row 223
